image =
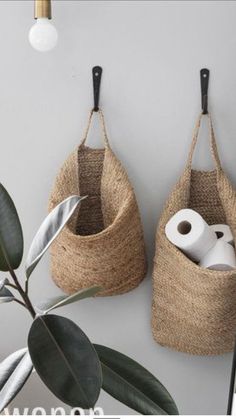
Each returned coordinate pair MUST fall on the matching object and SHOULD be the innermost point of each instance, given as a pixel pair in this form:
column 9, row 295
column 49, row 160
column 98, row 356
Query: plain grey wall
column 151, row 53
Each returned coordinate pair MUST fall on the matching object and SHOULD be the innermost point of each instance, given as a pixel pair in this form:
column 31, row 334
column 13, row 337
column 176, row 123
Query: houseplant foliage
column 73, row 368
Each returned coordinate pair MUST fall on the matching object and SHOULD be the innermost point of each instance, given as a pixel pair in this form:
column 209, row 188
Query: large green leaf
column 65, row 360
column 63, row 300
column 49, row 230
column 131, row 384
column 14, row 372
column 11, row 236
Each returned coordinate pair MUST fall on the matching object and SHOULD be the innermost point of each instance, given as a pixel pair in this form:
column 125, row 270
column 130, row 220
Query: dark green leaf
column 3, row 282
column 5, row 295
column 131, row 384
column 62, row 300
column 49, row 230
column 14, row 372
column 11, row 236
column 65, row 360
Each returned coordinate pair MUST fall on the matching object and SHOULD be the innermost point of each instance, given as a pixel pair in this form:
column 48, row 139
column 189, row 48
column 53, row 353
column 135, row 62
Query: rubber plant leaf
column 130, row 383
column 11, row 236
column 62, row 300
column 14, row 372
column 49, row 230
column 4, row 282
column 9, row 364
column 65, row 360
column 5, row 295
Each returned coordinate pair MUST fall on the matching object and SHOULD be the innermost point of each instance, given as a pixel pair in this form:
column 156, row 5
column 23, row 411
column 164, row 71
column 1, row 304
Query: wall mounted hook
column 204, row 78
column 97, row 74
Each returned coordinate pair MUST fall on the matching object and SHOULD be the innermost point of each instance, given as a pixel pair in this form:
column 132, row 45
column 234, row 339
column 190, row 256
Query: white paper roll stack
column 221, row 257
column 211, row 246
column 189, row 232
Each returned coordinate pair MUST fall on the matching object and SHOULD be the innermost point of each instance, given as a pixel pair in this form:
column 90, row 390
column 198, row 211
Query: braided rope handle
column 103, row 127
column 213, row 146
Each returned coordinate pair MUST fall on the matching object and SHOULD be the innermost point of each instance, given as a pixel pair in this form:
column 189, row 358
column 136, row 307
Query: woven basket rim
column 81, row 146
column 188, row 263
column 91, row 236
column 112, row 227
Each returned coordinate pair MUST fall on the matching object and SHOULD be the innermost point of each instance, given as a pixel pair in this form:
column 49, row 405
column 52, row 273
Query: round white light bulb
column 43, row 35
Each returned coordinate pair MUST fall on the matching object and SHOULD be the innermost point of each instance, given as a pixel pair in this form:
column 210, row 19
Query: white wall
column 151, row 53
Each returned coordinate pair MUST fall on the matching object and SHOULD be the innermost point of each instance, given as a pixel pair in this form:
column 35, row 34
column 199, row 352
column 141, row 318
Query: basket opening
column 90, row 218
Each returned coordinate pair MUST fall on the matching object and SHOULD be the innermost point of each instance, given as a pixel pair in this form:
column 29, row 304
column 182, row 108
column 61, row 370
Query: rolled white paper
column 189, row 232
column 223, row 232
column 220, row 258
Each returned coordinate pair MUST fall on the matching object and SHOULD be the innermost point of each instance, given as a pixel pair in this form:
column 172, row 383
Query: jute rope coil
column 103, row 243
column 194, row 309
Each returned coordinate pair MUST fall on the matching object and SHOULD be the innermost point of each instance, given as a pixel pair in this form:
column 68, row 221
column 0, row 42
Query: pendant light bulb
column 43, row 35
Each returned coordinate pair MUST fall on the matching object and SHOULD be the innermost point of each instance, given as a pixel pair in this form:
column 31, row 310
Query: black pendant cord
column 232, row 383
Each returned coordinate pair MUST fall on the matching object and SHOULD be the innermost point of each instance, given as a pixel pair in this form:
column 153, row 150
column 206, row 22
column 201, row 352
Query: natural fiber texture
column 194, row 309
column 103, row 243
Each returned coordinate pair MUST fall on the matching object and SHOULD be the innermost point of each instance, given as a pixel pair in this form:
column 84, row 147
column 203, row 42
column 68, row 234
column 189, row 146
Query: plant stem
column 16, row 299
column 20, row 302
column 27, row 286
column 12, row 286
column 23, row 294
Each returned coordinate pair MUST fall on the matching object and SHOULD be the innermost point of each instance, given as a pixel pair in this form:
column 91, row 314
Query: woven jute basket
column 194, row 309
column 103, row 243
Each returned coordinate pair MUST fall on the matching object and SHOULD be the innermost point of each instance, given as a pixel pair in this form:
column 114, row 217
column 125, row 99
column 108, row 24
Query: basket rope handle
column 213, row 146
column 102, row 124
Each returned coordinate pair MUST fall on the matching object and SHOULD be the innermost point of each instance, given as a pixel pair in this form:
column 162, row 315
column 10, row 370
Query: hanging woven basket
column 194, row 309
column 103, row 242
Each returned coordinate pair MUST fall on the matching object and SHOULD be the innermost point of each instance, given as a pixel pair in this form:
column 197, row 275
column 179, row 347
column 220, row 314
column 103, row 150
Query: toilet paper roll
column 221, row 257
column 223, row 232
column 189, row 232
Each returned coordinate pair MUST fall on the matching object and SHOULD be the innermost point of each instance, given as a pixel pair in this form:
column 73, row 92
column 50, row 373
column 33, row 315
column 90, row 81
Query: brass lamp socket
column 42, row 8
